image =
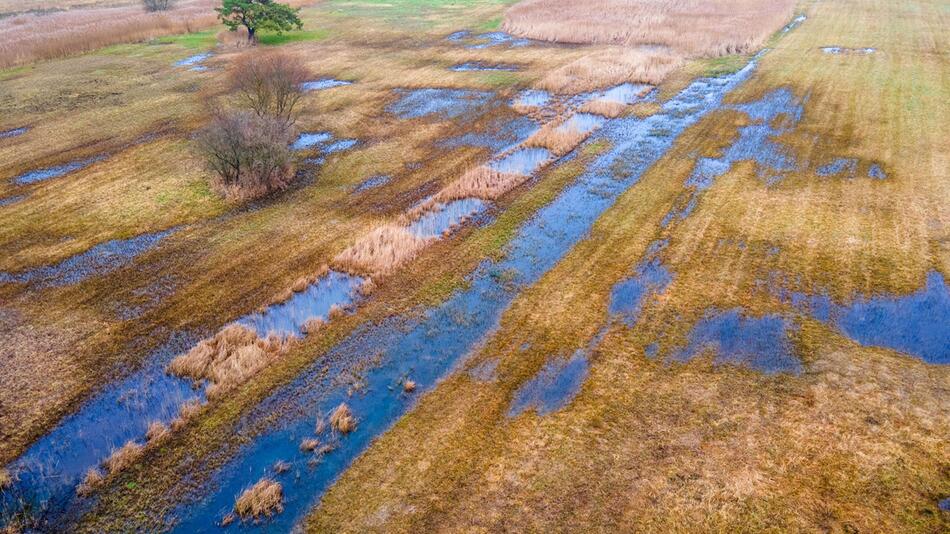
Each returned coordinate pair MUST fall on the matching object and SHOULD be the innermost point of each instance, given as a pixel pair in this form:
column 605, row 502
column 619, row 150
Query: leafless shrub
column 228, row 359
column 123, row 457
column 249, row 155
column 262, row 499
column 269, row 83
column 381, row 251
column 342, row 419
column 158, row 5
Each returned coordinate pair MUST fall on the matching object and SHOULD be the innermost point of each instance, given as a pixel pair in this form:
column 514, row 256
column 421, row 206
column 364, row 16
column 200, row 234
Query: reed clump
column 342, row 419
column 263, row 499
column 381, row 251
column 228, row 358
column 559, row 140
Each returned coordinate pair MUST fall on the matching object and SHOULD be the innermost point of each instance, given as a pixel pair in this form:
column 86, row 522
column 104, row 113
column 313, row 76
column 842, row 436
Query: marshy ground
column 509, row 294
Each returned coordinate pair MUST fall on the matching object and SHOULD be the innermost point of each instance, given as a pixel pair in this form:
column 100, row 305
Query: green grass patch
column 273, row 39
column 13, row 72
column 724, row 65
column 196, row 40
column 500, row 79
column 489, row 25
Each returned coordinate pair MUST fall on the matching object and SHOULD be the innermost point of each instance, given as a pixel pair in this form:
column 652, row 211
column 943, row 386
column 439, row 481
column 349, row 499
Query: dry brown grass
column 185, row 413
column 481, row 182
column 31, row 37
column 409, row 386
column 124, row 456
column 228, row 359
column 309, row 444
column 156, row 433
column 612, row 66
column 5, row 478
column 693, row 27
column 556, row 139
column 342, row 419
column 90, row 482
column 262, row 499
column 381, row 251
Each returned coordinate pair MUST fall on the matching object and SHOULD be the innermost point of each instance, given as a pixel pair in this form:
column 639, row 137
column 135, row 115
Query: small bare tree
column 158, row 5
column 270, row 83
column 249, row 154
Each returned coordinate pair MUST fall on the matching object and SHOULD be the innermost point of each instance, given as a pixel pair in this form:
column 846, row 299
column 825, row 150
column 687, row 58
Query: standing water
column 425, row 348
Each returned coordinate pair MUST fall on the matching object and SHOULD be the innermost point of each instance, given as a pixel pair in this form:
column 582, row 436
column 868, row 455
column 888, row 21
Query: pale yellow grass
column 612, row 66
column 481, row 182
column 262, row 499
column 693, row 27
column 90, row 482
column 228, row 359
column 381, row 251
column 556, row 139
column 31, row 37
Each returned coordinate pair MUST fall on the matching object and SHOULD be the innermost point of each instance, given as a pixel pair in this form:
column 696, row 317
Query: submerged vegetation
column 437, row 258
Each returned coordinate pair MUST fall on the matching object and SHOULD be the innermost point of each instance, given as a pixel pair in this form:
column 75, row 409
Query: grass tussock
column 92, row 480
column 185, row 414
column 35, row 36
column 309, row 444
column 612, row 67
column 6, row 479
column 123, row 457
column 556, row 139
column 262, row 499
column 228, row 359
column 481, row 182
column 342, row 419
column 381, row 251
column 692, row 27
column 157, row 432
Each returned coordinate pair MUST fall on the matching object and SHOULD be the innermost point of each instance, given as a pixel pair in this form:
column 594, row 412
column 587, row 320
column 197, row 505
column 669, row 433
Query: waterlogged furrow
column 424, row 349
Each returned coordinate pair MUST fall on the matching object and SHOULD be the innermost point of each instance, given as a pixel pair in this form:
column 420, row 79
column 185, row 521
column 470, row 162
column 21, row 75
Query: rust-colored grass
column 694, row 27
column 228, row 358
column 262, row 499
column 381, row 251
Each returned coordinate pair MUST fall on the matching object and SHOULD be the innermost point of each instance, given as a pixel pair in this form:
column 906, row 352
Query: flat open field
column 535, row 270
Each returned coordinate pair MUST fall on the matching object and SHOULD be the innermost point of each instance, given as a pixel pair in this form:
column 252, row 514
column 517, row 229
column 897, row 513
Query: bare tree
column 158, row 5
column 270, row 83
column 250, row 154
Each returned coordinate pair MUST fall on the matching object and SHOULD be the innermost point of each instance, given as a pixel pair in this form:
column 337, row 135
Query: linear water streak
column 437, row 222
column 13, row 132
column 446, row 103
column 48, row 472
column 426, row 348
column 55, row 172
column 99, row 260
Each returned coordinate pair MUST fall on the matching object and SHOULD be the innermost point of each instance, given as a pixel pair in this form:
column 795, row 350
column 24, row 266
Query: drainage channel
column 424, row 349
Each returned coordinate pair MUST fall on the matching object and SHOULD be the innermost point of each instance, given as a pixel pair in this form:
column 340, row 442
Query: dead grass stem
column 342, row 419
column 557, row 139
column 123, row 457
